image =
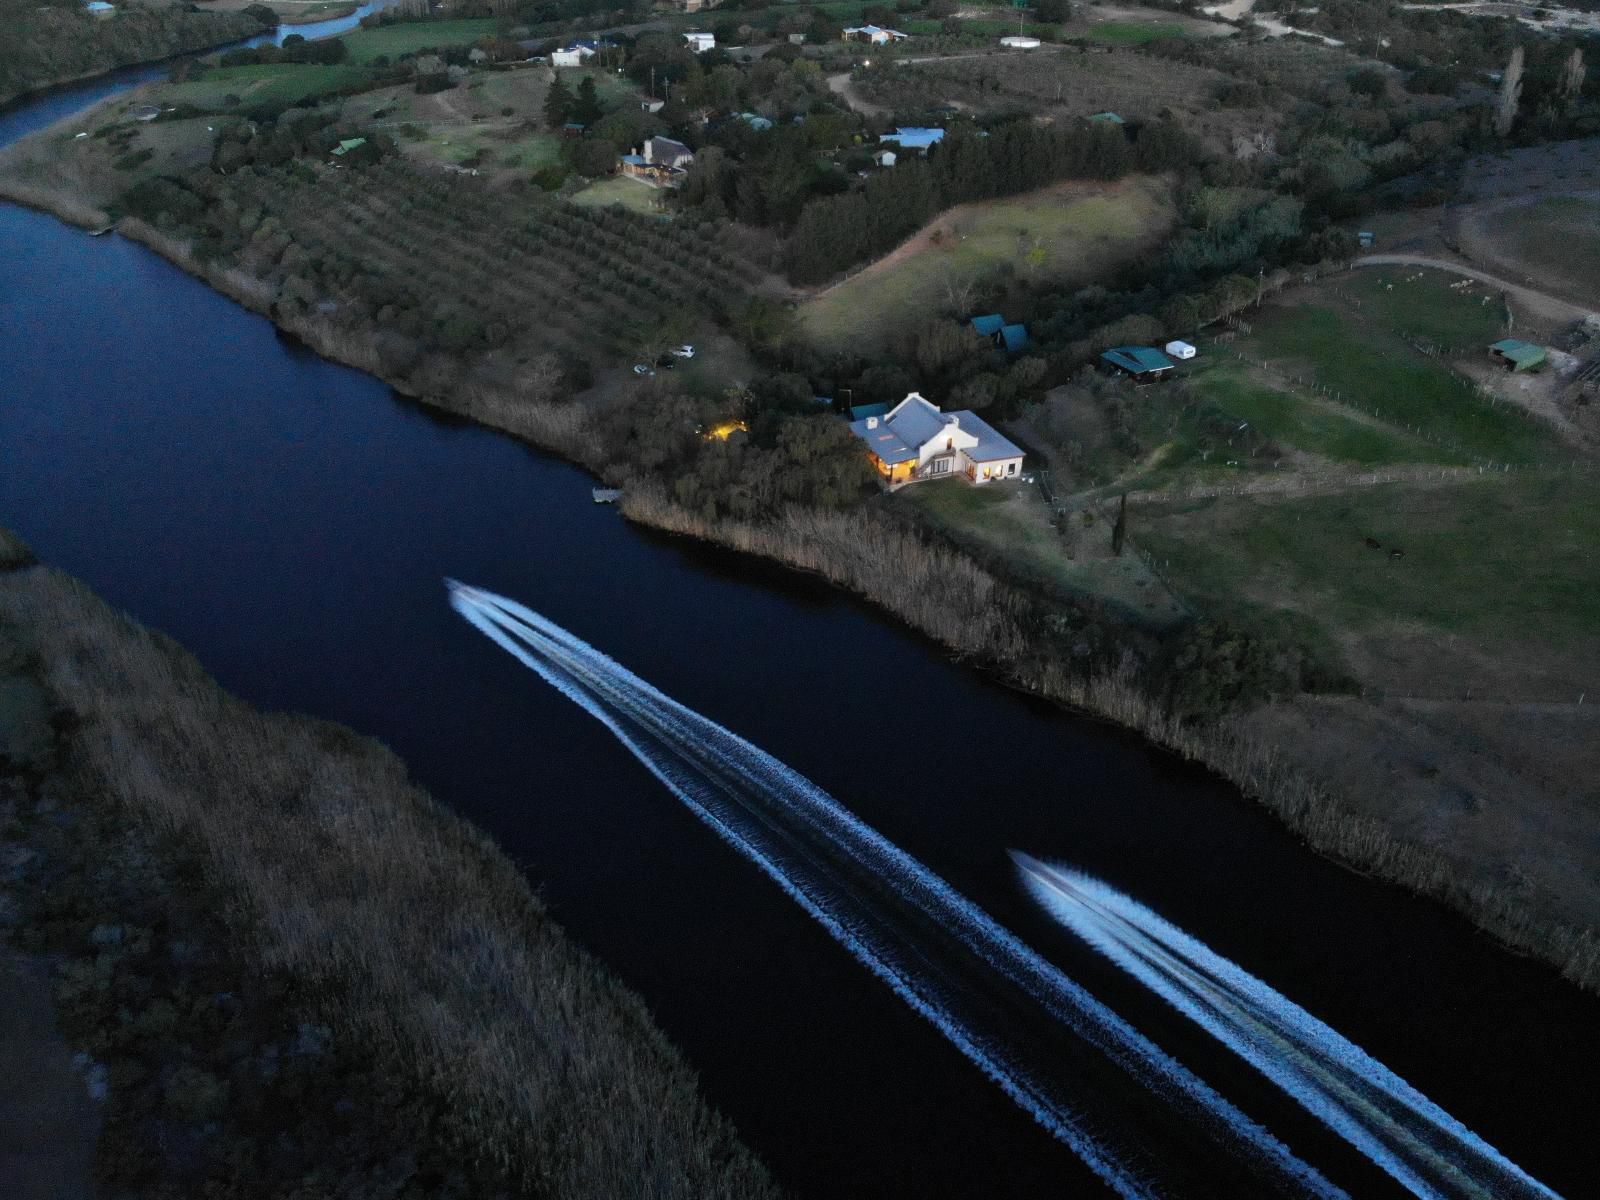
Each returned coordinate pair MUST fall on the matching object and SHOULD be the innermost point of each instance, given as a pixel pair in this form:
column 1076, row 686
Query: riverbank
column 974, row 612
column 328, row 933
column 978, row 610
column 57, row 47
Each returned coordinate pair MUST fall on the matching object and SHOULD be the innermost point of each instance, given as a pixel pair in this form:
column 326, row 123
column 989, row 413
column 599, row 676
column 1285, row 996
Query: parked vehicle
column 684, row 351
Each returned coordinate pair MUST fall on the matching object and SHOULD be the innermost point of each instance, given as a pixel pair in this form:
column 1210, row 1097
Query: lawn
column 1482, row 556
column 270, row 84
column 1353, row 340
column 1060, row 233
column 630, row 193
column 394, row 40
column 1304, row 424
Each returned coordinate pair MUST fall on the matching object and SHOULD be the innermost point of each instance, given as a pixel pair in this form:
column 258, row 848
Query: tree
column 1053, row 12
column 1505, row 107
column 586, row 108
column 557, row 104
column 1573, row 72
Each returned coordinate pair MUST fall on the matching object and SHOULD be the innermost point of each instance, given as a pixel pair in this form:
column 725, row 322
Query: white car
column 683, row 352
column 642, row 369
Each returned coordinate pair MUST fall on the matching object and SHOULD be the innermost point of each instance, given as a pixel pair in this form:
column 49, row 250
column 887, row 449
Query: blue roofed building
column 1144, row 364
column 914, row 137
column 862, row 411
column 988, row 325
column 914, row 441
column 1013, row 339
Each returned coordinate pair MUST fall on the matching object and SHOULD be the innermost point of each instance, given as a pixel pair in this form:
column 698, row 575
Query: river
column 289, row 521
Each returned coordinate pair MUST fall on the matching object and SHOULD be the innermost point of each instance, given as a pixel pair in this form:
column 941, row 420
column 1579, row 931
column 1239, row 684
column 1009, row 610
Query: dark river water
column 289, row 521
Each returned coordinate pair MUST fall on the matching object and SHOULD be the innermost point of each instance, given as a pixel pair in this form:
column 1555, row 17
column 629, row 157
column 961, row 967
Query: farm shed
column 988, row 325
column 1143, row 363
column 1182, row 351
column 1517, row 355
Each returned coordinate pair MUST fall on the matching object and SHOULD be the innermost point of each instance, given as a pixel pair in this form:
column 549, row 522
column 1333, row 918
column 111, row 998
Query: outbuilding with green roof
column 1517, row 355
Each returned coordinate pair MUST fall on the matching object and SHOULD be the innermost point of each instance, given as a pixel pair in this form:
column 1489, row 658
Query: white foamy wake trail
column 975, row 981
column 1420, row 1145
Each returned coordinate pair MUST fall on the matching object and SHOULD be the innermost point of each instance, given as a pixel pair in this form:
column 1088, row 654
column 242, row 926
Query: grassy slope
column 274, row 83
column 1479, row 556
column 1558, row 236
column 1079, row 233
column 339, row 872
column 1356, row 342
column 395, row 40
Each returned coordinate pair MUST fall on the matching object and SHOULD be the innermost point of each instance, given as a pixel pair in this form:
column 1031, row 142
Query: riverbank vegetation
column 45, row 42
column 434, row 222
column 291, row 971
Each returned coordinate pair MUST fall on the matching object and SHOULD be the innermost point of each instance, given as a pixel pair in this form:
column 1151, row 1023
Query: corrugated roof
column 884, row 442
column 989, row 324
column 1138, row 359
column 915, row 420
column 1014, row 337
column 913, row 137
column 862, row 411
column 992, row 444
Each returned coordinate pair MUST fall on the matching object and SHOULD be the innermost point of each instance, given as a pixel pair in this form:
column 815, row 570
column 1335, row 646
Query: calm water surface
column 289, row 521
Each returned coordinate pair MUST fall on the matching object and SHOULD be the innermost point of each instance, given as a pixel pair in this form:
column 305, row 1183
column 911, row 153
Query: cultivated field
column 1068, row 232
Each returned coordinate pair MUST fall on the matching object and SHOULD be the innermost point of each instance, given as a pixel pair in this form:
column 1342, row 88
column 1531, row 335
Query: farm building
column 1516, row 355
column 1108, row 118
column 701, row 42
column 99, row 9
column 1144, row 364
column 874, row 34
column 915, row 441
column 1011, row 338
column 884, row 158
column 913, row 137
column 1019, row 42
column 1181, row 351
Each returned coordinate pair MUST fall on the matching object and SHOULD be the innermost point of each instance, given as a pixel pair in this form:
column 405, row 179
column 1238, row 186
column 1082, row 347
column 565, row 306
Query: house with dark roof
column 915, row 441
column 1143, row 364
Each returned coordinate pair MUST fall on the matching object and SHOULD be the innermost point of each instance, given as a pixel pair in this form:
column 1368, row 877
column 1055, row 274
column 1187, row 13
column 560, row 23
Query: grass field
column 275, row 83
column 1057, row 233
column 630, row 193
column 1011, row 521
column 1478, row 557
column 1133, row 33
column 408, row 38
column 1302, row 423
column 1352, row 338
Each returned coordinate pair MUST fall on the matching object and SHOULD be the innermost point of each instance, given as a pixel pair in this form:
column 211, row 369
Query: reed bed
column 408, row 929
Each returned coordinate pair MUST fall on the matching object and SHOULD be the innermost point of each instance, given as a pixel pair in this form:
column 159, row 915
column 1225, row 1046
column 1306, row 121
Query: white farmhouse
column 914, row 440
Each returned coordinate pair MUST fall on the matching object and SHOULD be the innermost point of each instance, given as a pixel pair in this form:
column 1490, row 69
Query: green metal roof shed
column 1518, row 355
column 1138, row 360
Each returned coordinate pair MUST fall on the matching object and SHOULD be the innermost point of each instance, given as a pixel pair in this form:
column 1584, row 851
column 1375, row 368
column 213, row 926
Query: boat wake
column 1011, row 1012
column 1420, row 1145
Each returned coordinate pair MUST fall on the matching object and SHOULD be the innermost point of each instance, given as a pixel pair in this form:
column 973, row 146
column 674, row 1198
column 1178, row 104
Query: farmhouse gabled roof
column 992, row 445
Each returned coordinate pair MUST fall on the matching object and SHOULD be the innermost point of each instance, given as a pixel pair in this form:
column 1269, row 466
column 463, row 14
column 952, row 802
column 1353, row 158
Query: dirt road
column 1550, row 307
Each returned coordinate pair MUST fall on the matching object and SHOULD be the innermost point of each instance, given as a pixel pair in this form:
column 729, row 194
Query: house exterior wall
column 989, row 472
column 950, row 438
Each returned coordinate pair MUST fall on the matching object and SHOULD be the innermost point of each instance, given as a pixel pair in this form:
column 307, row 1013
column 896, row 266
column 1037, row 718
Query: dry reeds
column 410, row 930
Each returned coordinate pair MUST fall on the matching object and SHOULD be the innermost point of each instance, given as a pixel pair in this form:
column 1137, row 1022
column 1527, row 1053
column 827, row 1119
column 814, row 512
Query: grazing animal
column 1397, row 554
column 1374, row 544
